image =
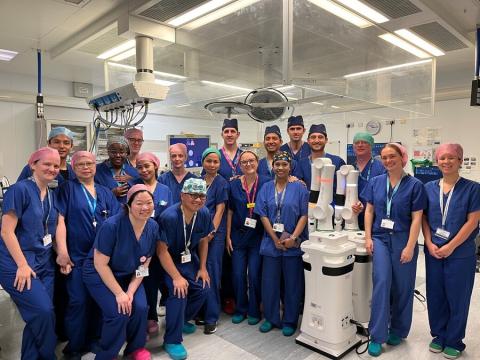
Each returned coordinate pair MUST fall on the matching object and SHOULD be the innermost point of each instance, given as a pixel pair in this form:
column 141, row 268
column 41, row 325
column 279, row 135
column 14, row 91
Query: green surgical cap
column 209, row 151
column 363, row 136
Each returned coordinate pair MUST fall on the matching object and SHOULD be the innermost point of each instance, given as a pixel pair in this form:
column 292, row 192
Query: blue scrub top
column 226, row 169
column 295, row 205
column 465, row 200
column 162, row 198
column 409, row 197
column 74, row 206
column 217, row 193
column 116, row 239
column 303, row 153
column 264, row 170
column 171, row 227
column 104, row 176
column 23, row 198
column 304, row 169
column 169, row 180
column 241, row 235
column 27, row 172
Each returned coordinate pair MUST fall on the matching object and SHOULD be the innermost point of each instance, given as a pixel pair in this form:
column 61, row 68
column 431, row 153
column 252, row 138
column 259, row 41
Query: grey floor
column 247, row 343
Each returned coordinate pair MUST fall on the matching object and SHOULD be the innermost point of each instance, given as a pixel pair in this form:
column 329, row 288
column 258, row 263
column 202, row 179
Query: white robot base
column 332, row 351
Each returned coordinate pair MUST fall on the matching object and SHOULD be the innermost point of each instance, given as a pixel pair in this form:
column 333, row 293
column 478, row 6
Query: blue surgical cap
column 60, row 130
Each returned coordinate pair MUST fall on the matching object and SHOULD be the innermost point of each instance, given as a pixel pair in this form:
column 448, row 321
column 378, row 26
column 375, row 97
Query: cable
column 419, row 296
column 363, row 342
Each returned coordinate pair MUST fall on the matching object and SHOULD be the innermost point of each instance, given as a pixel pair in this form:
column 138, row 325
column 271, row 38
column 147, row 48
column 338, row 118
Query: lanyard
column 231, row 162
column 278, row 203
column 208, row 185
column 251, row 200
column 443, row 211
column 369, row 170
column 187, row 243
column 122, row 172
column 92, row 206
column 49, row 197
column 300, row 150
column 389, row 199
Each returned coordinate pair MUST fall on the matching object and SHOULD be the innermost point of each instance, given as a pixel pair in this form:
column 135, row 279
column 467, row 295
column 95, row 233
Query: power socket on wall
column 389, row 122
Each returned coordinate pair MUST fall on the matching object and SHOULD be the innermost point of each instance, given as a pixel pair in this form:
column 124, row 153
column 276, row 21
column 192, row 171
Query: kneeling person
column 186, row 229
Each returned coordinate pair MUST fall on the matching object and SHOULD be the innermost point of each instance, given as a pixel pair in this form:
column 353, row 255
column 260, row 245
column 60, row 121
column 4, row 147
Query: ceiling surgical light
column 388, row 68
column 117, row 50
column 418, row 41
column 364, row 10
column 395, row 40
column 341, row 12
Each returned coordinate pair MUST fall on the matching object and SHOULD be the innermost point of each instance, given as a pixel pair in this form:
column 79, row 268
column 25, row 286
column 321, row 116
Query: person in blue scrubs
column 83, row 206
column 296, row 147
column 61, row 139
column 147, row 166
column 29, row 225
column 175, row 178
column 186, row 229
column 368, row 166
column 217, row 197
column 135, row 140
column 229, row 165
column 283, row 209
column 244, row 235
column 115, row 173
column 450, row 225
column 317, row 139
column 272, row 140
column 113, row 274
column 393, row 216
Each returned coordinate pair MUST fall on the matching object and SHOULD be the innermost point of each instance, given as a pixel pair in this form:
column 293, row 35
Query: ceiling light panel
column 365, row 10
column 225, row 85
column 197, row 12
column 341, row 12
column 117, row 50
column 418, row 41
column 388, row 68
column 124, row 55
column 7, row 55
column 395, row 40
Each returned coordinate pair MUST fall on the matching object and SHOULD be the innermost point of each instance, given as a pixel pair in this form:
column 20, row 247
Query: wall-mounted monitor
column 195, row 144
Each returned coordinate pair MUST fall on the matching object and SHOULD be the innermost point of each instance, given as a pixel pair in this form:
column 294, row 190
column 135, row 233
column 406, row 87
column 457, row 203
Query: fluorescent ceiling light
column 197, row 12
column 388, row 68
column 335, row 107
column 164, row 82
column 364, row 10
column 395, row 40
column 225, row 85
column 183, row 105
column 285, row 88
column 117, row 50
column 133, row 68
column 7, row 55
column 124, row 55
column 317, row 103
column 418, row 41
column 218, row 14
column 341, row 12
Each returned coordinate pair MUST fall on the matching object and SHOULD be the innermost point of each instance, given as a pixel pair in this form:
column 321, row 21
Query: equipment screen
column 195, row 147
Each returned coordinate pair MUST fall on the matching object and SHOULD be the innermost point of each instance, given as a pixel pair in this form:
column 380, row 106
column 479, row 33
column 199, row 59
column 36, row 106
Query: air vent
column 167, row 9
column 394, row 8
column 439, row 36
column 106, row 41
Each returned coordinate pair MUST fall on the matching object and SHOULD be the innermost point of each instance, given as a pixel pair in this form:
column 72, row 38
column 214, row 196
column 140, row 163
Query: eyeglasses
column 197, row 196
column 135, row 141
column 247, row 162
column 88, row 165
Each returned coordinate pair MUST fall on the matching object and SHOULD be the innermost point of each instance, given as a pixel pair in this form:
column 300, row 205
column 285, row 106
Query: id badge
column 251, row 223
column 277, row 227
column 387, row 224
column 153, row 213
column 442, row 233
column 250, row 205
column 186, row 257
column 47, row 240
column 141, row 272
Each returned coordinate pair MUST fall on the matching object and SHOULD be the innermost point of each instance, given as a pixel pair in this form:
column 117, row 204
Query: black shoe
column 210, row 329
column 199, row 321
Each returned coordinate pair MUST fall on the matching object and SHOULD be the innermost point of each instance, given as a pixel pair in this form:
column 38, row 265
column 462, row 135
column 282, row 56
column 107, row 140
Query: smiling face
column 117, row 153
column 281, row 169
column 272, row 142
column 449, row 164
column 84, row 168
column 177, row 158
column 135, row 143
column 46, row 170
column 317, row 141
column 296, row 132
column 146, row 170
column 248, row 163
column 362, row 148
column 62, row 143
column 193, row 202
column 141, row 205
column 391, row 159
column 211, row 164
column 230, row 136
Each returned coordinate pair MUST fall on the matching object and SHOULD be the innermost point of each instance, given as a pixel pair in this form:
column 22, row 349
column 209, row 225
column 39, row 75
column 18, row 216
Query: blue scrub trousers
column 291, row 268
column 212, row 306
column 82, row 317
column 247, row 263
column 152, row 284
column 36, row 308
column 118, row 328
column 393, row 286
column 181, row 310
column 449, row 289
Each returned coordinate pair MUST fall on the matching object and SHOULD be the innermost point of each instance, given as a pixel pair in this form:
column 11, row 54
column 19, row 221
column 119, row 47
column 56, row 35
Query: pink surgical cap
column 44, row 153
column 148, row 156
column 449, row 148
column 80, row 154
column 136, row 188
column 178, row 147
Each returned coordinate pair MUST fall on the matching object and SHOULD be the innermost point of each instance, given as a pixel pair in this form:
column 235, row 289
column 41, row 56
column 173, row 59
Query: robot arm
column 350, row 196
column 322, row 179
